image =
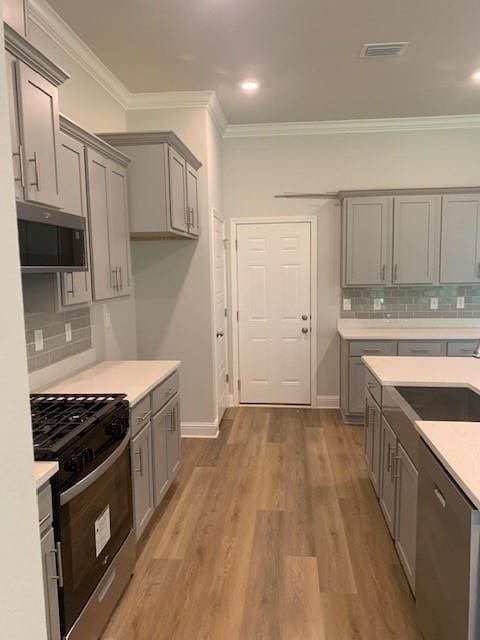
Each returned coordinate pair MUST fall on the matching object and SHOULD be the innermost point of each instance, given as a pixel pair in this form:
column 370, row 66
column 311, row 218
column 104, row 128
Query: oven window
column 93, row 527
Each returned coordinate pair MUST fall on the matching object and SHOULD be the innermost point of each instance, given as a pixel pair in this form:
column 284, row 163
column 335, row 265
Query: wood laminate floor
column 271, row 532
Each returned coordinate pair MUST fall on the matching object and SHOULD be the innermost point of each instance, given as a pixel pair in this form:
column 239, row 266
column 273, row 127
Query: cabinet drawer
column 44, row 498
column 141, row 414
column 165, row 392
column 418, row 348
column 379, row 348
column 374, row 387
column 461, row 349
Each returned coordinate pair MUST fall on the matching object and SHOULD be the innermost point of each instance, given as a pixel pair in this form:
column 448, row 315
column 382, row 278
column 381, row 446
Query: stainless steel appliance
column 50, row 240
column 92, row 496
column 448, row 546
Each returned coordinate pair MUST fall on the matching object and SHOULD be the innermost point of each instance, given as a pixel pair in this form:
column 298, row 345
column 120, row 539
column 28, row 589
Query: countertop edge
column 50, row 469
column 475, row 499
column 174, row 367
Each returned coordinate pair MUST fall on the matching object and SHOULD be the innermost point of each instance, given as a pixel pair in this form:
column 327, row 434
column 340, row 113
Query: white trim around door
column 234, row 224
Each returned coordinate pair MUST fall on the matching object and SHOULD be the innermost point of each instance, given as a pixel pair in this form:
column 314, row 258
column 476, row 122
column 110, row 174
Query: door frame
column 234, row 224
column 221, row 218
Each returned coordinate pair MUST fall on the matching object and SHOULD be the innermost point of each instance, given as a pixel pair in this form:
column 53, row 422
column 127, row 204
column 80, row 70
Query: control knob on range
column 73, row 464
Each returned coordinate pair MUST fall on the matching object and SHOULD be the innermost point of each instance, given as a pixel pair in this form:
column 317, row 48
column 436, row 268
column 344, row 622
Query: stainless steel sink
column 443, row 403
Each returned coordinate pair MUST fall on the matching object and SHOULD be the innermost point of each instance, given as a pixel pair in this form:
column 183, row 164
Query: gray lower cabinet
column 460, row 247
column 356, row 385
column 163, row 185
column 76, row 286
column 155, row 447
column 406, row 477
column 372, row 440
column 50, row 580
column 142, row 479
column 387, row 475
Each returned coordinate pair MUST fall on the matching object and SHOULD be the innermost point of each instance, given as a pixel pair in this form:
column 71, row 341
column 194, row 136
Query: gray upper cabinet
column 192, row 201
column 118, row 228
column 460, row 247
column 179, row 214
column 416, row 228
column 367, row 241
column 75, row 287
column 406, row 515
column 15, row 14
column 162, row 185
column 17, row 153
column 39, row 131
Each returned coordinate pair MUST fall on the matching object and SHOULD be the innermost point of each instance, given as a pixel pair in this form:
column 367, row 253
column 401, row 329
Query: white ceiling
column 304, row 52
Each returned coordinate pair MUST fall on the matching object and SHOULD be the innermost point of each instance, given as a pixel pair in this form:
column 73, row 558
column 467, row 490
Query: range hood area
column 50, row 240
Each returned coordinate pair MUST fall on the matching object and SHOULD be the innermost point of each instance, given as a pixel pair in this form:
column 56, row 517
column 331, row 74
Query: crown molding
column 180, row 100
column 94, row 142
column 329, row 127
column 48, row 20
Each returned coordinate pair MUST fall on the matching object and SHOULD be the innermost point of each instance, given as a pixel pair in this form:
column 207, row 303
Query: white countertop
column 456, row 444
column 425, row 372
column 410, row 329
column 43, row 471
column 135, row 378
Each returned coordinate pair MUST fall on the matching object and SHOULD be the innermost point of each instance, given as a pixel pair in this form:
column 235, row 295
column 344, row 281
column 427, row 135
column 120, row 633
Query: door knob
column 304, row 330
column 219, row 334
column 304, row 317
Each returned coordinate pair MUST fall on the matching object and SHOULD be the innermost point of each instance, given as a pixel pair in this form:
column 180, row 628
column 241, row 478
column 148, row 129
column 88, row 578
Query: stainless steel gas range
column 89, row 436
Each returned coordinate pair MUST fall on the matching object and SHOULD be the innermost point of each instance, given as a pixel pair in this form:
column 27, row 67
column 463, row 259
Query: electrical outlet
column 107, row 319
column 377, row 304
column 434, row 304
column 68, row 332
column 460, row 302
column 347, row 304
column 38, row 333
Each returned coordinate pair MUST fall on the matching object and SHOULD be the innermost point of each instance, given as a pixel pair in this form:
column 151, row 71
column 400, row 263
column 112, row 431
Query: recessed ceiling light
column 250, row 86
column 476, row 75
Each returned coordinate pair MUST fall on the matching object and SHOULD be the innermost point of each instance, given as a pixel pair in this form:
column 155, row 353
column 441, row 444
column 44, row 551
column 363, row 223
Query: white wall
column 21, row 591
column 255, row 169
column 172, row 278
column 86, row 102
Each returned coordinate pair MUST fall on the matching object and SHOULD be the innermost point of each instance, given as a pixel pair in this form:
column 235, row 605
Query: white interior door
column 273, row 271
column 220, row 319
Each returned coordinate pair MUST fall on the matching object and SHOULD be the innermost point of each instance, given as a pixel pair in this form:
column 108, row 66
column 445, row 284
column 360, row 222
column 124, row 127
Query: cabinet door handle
column 146, row 415
column 419, row 350
column 19, row 153
column 138, row 453
column 440, row 497
column 383, row 272
column 478, row 270
column 57, row 553
column 37, row 171
column 72, row 290
column 397, row 468
column 173, row 426
column 395, row 272
column 389, row 459
column 370, row 350
column 121, row 277
column 392, row 466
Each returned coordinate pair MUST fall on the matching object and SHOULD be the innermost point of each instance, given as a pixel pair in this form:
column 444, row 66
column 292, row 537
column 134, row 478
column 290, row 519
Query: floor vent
column 381, row 49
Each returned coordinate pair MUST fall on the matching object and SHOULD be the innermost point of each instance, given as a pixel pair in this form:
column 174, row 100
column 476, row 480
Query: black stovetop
column 57, row 420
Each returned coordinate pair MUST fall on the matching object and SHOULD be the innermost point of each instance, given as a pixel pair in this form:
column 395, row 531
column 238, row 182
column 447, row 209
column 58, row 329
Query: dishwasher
column 448, row 545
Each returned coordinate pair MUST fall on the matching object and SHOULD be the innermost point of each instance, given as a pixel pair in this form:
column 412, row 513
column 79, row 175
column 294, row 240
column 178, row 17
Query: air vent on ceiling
column 380, row 49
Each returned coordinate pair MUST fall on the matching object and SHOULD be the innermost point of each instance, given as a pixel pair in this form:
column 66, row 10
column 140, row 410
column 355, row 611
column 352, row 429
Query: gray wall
column 22, row 612
column 412, row 302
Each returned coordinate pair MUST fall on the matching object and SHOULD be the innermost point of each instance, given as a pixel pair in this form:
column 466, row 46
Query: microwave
column 50, row 240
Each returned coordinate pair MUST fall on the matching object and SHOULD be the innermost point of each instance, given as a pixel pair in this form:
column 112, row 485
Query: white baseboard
column 199, row 430
column 328, row 402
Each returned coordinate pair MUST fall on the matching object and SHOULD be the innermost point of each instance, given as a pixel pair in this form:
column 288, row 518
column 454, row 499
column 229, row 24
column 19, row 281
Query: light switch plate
column 460, row 302
column 434, row 304
column 377, row 304
column 38, row 333
column 68, row 332
column 347, row 304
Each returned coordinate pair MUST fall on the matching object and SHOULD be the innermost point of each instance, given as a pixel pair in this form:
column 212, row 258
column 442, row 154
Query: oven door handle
column 86, row 482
